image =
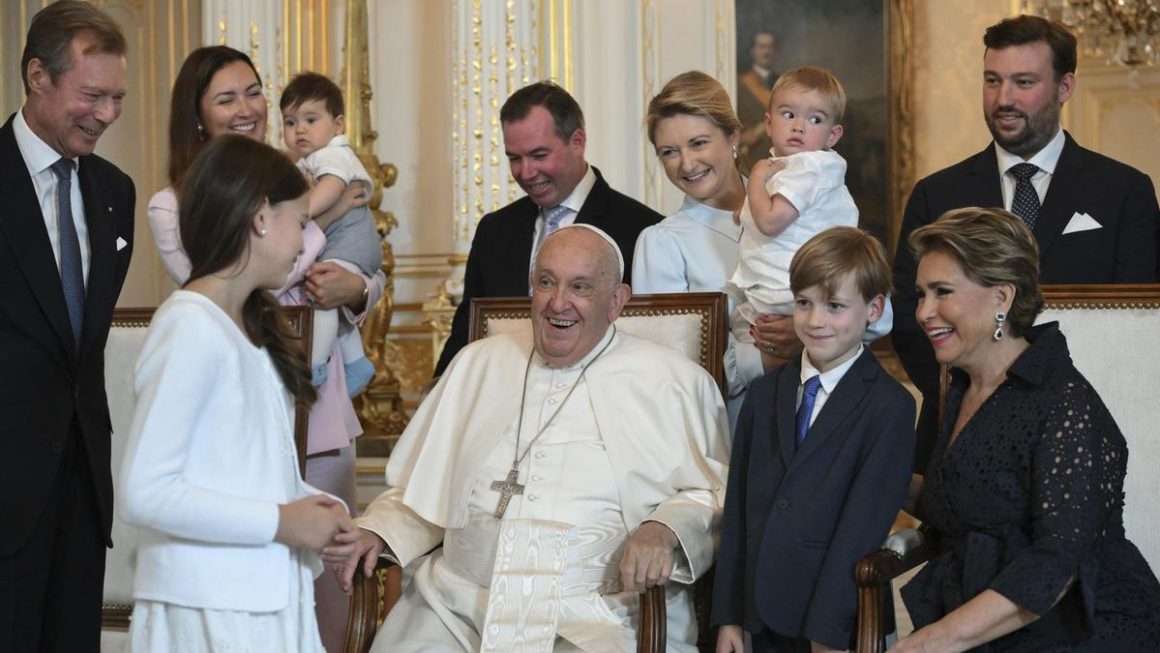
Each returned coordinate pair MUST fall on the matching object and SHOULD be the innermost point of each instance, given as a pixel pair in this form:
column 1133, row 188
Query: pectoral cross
column 507, row 488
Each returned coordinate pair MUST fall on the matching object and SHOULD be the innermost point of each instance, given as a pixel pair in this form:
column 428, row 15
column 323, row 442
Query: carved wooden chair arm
column 371, row 599
column 901, row 552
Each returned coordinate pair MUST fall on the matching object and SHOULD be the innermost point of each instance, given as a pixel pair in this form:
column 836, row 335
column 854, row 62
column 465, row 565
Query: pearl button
column 552, row 401
column 535, row 477
column 540, row 455
column 532, row 497
column 561, row 385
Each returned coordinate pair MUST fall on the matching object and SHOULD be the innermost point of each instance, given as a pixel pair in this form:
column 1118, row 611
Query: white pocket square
column 121, row 243
column 1081, row 222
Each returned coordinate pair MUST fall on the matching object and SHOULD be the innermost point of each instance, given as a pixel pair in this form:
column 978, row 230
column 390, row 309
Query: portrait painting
column 850, row 38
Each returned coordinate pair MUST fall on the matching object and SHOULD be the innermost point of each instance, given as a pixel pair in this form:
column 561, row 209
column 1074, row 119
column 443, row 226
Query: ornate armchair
column 693, row 324
column 1110, row 329
column 126, row 337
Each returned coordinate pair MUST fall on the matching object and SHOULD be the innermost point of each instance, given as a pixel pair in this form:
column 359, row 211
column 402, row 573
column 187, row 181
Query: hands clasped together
column 313, row 523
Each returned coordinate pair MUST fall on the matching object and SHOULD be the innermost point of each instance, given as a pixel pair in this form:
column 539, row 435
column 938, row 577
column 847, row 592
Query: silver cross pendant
column 507, row 488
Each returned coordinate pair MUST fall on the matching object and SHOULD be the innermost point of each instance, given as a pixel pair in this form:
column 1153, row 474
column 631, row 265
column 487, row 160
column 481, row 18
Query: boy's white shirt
column 830, row 379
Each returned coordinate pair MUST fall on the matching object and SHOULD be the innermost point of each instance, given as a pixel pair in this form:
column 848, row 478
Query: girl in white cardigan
column 230, row 532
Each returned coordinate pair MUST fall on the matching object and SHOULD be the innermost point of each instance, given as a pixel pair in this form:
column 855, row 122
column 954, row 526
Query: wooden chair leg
column 651, row 638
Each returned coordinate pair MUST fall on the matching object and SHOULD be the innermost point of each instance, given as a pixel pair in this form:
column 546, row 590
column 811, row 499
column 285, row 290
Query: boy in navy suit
column 821, row 461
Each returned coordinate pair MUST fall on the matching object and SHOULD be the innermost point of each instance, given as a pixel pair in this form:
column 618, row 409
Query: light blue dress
column 695, row 250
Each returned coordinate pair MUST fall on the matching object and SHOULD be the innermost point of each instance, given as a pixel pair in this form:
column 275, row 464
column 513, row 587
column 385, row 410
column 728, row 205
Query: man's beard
column 1037, row 130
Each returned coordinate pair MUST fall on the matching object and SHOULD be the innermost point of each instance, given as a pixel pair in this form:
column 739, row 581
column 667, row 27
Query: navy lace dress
column 1029, row 497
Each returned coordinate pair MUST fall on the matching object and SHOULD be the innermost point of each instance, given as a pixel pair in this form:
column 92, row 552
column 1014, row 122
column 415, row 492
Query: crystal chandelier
column 1125, row 32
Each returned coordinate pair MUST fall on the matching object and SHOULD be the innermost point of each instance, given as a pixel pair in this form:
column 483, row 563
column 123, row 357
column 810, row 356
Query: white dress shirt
column 39, row 157
column 830, row 379
column 573, row 202
column 1045, row 159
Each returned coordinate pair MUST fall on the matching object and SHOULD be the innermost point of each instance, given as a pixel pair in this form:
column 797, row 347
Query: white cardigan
column 210, row 456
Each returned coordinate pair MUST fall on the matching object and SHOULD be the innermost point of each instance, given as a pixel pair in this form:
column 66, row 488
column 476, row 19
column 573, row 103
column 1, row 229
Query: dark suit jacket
column 50, row 391
column 1117, row 196
column 501, row 252
column 796, row 522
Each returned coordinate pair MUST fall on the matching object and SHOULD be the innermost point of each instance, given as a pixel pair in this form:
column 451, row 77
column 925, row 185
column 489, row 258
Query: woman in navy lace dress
column 1025, row 491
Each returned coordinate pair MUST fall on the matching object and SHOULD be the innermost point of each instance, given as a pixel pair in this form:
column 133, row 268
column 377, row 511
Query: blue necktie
column 1025, row 204
column 72, row 277
column 807, row 407
column 552, row 218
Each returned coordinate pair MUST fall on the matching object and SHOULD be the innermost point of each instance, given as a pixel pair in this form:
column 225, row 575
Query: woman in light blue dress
column 694, row 129
column 692, row 125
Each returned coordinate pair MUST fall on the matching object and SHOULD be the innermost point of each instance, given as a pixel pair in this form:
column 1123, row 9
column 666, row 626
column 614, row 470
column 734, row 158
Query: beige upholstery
column 689, row 323
column 126, row 337
column 1115, row 343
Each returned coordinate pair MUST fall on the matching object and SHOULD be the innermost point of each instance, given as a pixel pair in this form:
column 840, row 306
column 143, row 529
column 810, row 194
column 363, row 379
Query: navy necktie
column 807, row 407
column 1026, row 201
column 72, row 276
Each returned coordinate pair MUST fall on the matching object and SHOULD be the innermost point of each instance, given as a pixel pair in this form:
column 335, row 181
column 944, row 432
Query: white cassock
column 644, row 436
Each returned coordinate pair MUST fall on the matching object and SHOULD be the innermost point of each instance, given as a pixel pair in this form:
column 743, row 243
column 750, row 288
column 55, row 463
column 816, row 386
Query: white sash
column 537, row 570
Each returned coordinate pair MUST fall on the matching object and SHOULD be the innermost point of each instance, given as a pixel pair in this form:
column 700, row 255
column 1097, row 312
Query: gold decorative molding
column 901, row 146
column 380, row 406
column 556, row 60
column 650, row 51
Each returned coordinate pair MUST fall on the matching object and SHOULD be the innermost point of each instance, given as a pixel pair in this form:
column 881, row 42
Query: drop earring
column 1000, row 318
column 734, row 151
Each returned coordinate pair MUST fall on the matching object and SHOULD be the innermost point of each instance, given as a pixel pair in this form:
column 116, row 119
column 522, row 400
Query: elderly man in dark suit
column 1096, row 220
column 544, row 138
column 66, row 233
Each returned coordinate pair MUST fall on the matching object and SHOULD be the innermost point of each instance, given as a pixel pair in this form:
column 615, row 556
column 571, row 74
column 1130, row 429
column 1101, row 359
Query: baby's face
column 309, row 127
column 800, row 120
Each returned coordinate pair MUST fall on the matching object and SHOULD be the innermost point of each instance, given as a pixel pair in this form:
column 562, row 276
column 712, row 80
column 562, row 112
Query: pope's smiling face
column 576, row 295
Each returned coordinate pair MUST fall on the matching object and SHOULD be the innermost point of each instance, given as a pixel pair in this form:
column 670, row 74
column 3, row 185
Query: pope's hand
column 648, row 557
column 367, row 547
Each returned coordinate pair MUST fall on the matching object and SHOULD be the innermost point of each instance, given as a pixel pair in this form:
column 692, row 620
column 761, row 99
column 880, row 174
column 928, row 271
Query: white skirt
column 159, row 627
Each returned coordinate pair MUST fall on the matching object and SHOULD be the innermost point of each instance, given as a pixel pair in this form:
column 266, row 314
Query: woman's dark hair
column 220, row 194
column 185, row 139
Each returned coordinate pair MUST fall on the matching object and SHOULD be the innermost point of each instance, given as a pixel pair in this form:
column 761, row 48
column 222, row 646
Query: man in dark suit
column 66, row 234
column 543, row 135
column 1096, row 220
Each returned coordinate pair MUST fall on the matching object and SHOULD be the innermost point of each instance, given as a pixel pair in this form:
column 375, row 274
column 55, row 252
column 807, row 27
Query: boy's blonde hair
column 814, row 78
column 826, row 259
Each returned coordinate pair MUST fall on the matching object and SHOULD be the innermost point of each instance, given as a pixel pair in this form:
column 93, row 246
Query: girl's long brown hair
column 220, row 194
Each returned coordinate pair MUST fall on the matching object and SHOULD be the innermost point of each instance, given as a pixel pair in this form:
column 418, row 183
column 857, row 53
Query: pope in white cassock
column 563, row 473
